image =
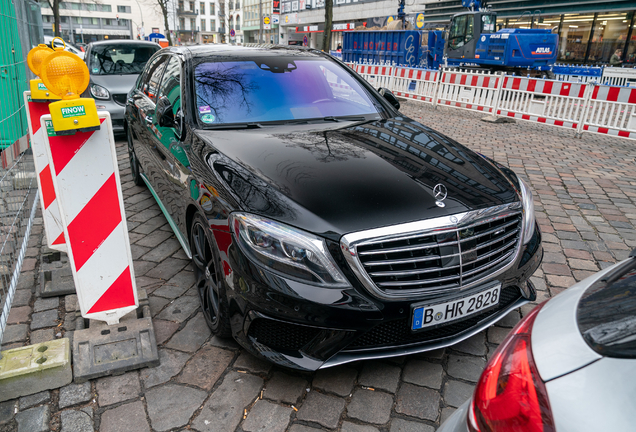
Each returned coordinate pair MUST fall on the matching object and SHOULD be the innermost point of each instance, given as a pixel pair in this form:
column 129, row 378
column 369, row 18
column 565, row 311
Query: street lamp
column 142, row 18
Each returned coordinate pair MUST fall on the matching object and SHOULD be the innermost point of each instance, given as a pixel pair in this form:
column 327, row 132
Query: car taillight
column 510, row 395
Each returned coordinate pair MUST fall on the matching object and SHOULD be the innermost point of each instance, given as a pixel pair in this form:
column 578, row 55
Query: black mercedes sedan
column 324, row 226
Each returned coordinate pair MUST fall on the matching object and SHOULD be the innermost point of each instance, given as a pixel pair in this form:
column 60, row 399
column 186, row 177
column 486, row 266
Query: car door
column 167, row 144
column 144, row 102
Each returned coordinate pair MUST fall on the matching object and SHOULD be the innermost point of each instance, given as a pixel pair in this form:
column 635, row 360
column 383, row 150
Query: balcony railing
column 183, row 12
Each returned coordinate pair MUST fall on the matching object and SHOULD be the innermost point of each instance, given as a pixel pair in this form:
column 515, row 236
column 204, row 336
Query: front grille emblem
column 440, row 192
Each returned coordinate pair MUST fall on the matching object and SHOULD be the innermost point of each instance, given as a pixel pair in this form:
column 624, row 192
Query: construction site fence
column 20, row 30
column 580, row 106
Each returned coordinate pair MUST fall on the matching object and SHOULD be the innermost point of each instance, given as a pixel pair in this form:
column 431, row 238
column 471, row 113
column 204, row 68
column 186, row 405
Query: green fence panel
column 20, row 30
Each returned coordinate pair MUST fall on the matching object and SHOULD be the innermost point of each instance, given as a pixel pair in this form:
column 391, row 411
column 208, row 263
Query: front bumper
column 307, row 327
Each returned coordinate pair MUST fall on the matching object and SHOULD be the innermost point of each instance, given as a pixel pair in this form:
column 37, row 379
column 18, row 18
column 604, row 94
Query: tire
column 135, row 168
column 209, row 277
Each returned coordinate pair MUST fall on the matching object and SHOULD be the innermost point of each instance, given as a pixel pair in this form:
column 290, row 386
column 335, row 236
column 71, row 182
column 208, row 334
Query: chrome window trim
column 350, row 242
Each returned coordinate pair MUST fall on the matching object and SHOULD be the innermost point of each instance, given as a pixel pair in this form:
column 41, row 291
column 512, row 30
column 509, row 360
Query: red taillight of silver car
column 510, row 396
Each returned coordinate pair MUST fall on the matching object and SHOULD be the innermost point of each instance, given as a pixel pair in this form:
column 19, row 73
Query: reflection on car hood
column 115, row 84
column 345, row 177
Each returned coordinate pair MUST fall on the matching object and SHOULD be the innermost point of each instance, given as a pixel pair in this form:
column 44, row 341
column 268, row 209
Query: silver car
column 569, row 365
column 114, row 67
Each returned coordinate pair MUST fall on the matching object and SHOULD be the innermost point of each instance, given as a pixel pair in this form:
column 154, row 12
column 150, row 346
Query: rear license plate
column 433, row 315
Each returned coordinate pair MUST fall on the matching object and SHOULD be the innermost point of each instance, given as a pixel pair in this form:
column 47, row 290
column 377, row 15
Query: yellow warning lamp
column 39, row 92
column 66, row 75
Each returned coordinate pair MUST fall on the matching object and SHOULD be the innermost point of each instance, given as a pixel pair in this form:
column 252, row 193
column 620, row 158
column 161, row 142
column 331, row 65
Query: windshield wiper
column 231, row 126
column 344, row 118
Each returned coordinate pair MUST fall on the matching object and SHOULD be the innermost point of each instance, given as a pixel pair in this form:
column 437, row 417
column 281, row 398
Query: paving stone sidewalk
column 585, row 193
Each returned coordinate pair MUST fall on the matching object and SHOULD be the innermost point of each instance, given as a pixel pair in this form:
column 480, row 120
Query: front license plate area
column 442, row 313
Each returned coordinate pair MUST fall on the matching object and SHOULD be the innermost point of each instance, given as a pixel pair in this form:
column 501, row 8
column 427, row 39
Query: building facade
column 261, row 24
column 84, row 21
column 194, row 22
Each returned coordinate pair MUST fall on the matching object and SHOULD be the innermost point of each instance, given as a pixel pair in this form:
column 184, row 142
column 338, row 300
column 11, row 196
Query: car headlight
column 99, row 92
column 528, row 211
column 287, row 251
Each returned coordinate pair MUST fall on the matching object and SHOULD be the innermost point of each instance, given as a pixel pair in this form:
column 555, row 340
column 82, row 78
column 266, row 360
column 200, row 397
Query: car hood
column 115, row 84
column 344, row 177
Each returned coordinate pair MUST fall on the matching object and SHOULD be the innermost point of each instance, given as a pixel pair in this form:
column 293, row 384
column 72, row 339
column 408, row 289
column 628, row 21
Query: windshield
column 277, row 89
column 119, row 59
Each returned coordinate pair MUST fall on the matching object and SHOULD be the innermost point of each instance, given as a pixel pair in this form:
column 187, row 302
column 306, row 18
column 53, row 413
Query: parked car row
column 326, row 227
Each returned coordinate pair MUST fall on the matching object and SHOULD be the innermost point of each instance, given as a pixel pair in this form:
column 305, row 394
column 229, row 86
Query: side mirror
column 390, row 97
column 163, row 113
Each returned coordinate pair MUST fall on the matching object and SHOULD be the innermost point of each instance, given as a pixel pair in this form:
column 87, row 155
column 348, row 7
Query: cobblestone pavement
column 584, row 198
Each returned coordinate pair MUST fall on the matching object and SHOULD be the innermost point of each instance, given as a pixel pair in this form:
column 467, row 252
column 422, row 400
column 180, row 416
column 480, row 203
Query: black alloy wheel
column 207, row 268
column 134, row 162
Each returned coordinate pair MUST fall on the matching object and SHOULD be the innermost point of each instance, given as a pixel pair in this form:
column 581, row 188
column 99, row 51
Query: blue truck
column 473, row 40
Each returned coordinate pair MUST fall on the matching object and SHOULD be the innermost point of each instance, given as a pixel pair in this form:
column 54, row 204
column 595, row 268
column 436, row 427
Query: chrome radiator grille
column 439, row 261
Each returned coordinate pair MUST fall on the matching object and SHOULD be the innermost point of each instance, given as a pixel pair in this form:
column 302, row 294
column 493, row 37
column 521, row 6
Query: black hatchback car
column 324, row 226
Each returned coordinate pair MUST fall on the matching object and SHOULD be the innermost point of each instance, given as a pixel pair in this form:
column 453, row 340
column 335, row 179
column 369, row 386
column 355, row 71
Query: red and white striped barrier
column 611, row 111
column 376, row 75
column 477, row 91
column 584, row 107
column 418, row 84
column 50, row 209
column 86, row 178
column 556, row 103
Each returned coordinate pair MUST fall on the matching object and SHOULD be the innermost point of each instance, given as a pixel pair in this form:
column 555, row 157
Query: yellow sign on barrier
column 66, row 75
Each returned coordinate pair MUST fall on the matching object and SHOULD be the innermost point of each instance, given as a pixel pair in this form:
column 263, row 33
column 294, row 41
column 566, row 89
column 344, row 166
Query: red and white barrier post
column 50, row 209
column 86, row 178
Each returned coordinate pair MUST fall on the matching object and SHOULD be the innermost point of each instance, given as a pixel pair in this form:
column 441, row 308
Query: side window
column 171, row 83
column 152, row 77
column 457, row 32
column 488, row 23
column 469, row 27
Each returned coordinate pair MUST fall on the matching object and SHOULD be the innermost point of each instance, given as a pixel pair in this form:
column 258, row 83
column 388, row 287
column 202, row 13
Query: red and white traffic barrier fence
column 376, row 75
column 584, row 107
column 417, row 84
column 50, row 209
column 556, row 103
column 476, row 91
column 610, row 111
column 86, row 180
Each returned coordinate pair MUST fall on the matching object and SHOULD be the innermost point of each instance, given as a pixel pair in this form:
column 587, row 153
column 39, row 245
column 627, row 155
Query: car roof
column 123, row 42
column 205, row 50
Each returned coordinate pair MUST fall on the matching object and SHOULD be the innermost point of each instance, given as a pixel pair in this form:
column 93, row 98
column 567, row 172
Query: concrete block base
column 56, row 278
column 35, row 368
column 103, row 350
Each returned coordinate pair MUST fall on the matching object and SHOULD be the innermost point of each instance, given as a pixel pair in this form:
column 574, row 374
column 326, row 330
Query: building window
column 212, row 25
column 107, row 8
column 121, row 9
column 212, row 9
column 203, row 25
column 181, row 24
column 192, row 6
column 202, row 8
